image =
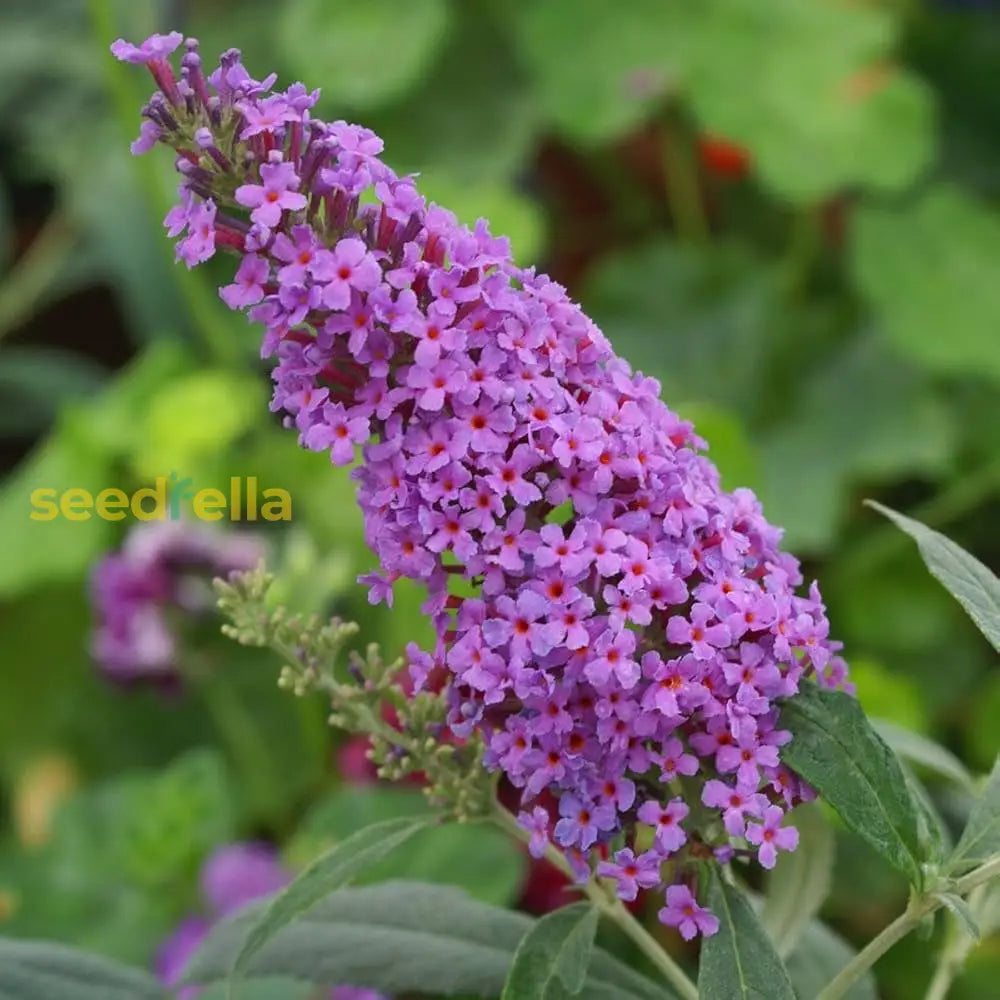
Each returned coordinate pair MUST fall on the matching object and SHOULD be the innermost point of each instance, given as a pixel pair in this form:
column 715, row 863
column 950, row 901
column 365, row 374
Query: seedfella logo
column 168, row 498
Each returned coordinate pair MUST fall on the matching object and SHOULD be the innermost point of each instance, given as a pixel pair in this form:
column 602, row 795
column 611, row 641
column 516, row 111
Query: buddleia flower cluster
column 617, row 628
column 162, row 572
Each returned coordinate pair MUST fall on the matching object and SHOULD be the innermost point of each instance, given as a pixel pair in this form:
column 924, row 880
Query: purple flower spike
column 623, row 616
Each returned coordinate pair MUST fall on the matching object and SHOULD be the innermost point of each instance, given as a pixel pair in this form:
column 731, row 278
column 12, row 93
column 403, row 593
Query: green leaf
column 981, row 837
column 926, row 267
column 924, row 751
column 402, row 937
column 800, row 881
column 175, row 435
column 600, row 69
column 324, row 877
column 552, row 959
column 475, row 103
column 169, row 820
column 962, row 912
column 363, row 55
column 739, row 962
column 963, row 575
column 476, row 857
column 837, row 751
column 40, row 970
column 819, row 956
column 809, row 460
column 827, row 110
column 697, row 320
column 36, row 381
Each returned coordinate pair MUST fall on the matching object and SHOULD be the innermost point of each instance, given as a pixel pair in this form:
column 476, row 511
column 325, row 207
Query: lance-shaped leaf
column 837, row 751
column 400, row 937
column 963, row 575
column 925, row 752
column 552, row 959
column 324, row 876
column 40, row 970
column 981, row 837
column 739, row 962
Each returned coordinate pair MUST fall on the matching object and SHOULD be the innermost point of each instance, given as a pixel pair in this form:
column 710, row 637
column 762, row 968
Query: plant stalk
column 610, row 907
column 918, row 908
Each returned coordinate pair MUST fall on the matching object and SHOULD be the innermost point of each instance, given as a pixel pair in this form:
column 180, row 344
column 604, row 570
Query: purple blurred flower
column 163, row 567
column 232, row 877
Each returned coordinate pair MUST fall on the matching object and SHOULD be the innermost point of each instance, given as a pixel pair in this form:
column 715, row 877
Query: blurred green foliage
column 785, row 211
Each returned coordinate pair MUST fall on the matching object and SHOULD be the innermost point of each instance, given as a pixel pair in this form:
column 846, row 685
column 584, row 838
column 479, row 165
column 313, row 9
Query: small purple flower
column 666, row 823
column 153, row 48
column 734, row 803
column 770, row 835
column 277, row 193
column 237, row 874
column 683, row 912
column 248, row 288
column 582, row 822
column 632, row 873
column 537, row 824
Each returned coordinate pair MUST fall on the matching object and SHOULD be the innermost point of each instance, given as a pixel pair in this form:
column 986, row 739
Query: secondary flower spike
column 618, row 629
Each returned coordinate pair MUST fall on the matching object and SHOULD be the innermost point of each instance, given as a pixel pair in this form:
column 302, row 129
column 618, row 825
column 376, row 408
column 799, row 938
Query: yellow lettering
column 75, row 505
column 209, row 504
column 43, row 504
column 278, row 506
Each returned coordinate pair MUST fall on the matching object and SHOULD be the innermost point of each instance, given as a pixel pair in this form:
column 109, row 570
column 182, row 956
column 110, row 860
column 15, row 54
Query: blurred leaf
column 819, row 956
column 695, row 319
column 197, row 414
column 40, row 970
column 883, row 693
column 924, row 751
column 835, row 749
column 403, row 936
column 981, row 837
column 971, row 583
column 284, row 988
column 321, row 879
column 927, row 270
column 6, row 239
column 79, row 454
column 509, row 213
column 739, row 962
column 474, row 107
column 599, row 70
column 729, row 445
column 473, row 856
column 364, row 55
column 800, row 881
column 903, row 427
column 168, row 822
column 981, row 737
column 37, row 551
column 36, row 381
column 826, row 110
column 552, row 959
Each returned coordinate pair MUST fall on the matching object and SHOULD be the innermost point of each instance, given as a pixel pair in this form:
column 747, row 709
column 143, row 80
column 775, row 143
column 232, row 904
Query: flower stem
column 683, row 187
column 612, row 908
column 918, row 908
